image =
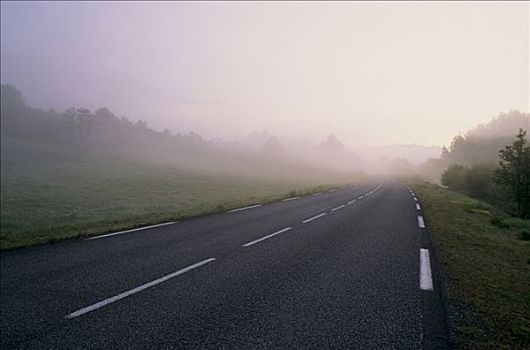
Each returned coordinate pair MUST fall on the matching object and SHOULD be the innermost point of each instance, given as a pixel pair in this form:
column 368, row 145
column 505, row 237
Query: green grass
column 486, row 264
column 45, row 196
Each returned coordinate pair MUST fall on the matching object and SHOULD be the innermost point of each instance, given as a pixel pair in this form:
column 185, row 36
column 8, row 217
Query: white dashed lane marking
column 137, row 289
column 245, row 208
column 267, row 237
column 421, row 223
column 337, row 208
column 425, row 270
column 128, row 231
column 313, row 218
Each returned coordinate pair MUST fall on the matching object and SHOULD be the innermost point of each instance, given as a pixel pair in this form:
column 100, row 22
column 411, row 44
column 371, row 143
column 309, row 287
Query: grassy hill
column 46, row 196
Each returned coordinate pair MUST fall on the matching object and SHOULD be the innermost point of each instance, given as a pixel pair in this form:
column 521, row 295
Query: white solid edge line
column 266, row 237
column 136, row 290
column 353, row 201
column 360, row 197
column 244, row 208
column 418, row 206
column 290, row 199
column 421, row 223
column 425, row 270
column 132, row 230
column 337, row 208
column 313, row 218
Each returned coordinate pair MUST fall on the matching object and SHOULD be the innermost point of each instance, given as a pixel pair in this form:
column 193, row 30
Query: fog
column 261, row 88
column 369, row 73
column 244, row 171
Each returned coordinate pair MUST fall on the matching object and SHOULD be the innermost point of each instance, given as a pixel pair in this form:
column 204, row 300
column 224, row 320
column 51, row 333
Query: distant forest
column 86, row 134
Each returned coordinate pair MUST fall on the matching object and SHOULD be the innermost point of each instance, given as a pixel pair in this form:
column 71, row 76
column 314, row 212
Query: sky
column 372, row 73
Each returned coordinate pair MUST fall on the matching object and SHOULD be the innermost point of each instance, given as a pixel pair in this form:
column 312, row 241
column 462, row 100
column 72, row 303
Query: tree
column 11, row 105
column 481, row 145
column 10, row 97
column 445, row 153
column 78, row 124
column 332, row 143
column 273, row 146
column 514, row 172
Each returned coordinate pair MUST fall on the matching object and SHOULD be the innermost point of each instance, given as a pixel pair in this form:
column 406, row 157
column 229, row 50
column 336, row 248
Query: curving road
column 350, row 269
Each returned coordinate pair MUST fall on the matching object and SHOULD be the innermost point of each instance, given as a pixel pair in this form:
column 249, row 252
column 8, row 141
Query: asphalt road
column 279, row 275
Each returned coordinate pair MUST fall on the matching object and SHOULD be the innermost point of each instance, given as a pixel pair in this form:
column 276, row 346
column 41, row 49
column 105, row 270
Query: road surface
column 352, row 268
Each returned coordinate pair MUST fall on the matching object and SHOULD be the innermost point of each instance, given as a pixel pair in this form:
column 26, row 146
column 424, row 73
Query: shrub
column 454, row 177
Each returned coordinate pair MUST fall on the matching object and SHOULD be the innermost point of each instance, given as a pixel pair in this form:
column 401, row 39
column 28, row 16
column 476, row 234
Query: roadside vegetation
column 480, row 225
column 478, row 147
column 486, row 262
column 490, row 162
column 507, row 186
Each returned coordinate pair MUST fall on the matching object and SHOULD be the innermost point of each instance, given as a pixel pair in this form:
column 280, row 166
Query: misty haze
column 351, row 175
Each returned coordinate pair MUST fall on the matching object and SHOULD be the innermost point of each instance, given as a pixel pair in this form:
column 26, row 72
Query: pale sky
column 370, row 72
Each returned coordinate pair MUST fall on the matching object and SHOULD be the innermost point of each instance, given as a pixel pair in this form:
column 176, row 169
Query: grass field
column 486, row 262
column 45, row 196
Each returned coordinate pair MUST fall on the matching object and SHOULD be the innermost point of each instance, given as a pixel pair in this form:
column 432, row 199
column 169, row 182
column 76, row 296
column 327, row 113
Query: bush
column 478, row 181
column 475, row 181
column 454, row 177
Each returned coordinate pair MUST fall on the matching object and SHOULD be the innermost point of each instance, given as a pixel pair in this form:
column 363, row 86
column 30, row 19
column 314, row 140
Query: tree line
column 86, row 133
column 487, row 165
